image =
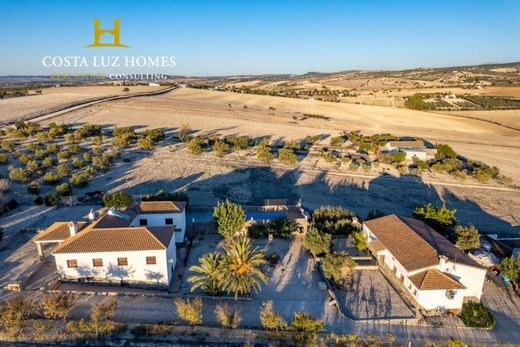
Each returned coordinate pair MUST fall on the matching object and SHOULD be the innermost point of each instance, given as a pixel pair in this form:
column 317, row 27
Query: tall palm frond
column 208, row 273
column 241, row 267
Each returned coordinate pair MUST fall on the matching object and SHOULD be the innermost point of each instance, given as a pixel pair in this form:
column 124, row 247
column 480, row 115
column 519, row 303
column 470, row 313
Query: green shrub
column 118, row 199
column 220, row 148
column 154, row 134
column 78, row 163
column 336, row 141
column 359, row 241
column 53, row 148
column 467, row 238
column 333, row 220
column 40, row 153
column 238, row 143
column 63, row 155
column 63, row 189
column 229, row 217
column 287, row 156
column 63, row 170
column 307, row 326
column 416, row 102
column 25, row 158
column 7, row 145
column 48, row 162
column 145, row 143
column 33, row 165
column 4, row 158
column 257, row 230
column 282, row 227
column 444, row 151
column 51, row 177
column 271, row 320
column 78, row 180
column 338, row 267
column 476, row 315
column 195, row 146
column 189, row 310
column 74, row 148
column 52, row 199
column 263, row 152
column 19, row 175
column 317, row 243
column 100, row 163
column 439, row 218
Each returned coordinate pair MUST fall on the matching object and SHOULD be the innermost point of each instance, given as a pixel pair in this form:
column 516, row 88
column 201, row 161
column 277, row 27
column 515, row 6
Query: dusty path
column 64, row 109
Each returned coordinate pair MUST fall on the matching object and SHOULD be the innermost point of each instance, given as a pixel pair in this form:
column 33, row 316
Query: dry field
column 52, row 97
column 208, row 111
column 510, row 118
column 502, row 91
column 237, row 176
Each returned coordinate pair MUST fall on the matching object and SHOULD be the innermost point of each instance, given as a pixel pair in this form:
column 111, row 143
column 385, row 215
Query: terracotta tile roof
column 439, row 242
column 158, row 207
column 58, row 231
column 414, row 244
column 117, row 240
column 376, row 246
column 433, row 279
column 407, row 144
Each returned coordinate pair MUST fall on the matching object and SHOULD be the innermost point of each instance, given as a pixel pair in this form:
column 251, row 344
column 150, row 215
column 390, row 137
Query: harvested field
column 208, row 111
column 52, row 97
column 510, row 118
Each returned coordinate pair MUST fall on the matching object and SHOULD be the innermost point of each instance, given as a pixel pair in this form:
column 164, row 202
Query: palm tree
column 240, row 267
column 208, row 273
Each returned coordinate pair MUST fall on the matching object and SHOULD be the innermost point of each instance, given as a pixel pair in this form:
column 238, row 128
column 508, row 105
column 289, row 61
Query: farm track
column 64, row 109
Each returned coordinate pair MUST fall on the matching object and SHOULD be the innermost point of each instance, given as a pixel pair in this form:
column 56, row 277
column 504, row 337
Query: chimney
column 443, row 260
column 72, row 228
column 91, row 215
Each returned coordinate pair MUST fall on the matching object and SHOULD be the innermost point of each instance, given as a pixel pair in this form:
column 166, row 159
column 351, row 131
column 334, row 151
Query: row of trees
column 15, row 312
column 51, row 154
column 303, row 323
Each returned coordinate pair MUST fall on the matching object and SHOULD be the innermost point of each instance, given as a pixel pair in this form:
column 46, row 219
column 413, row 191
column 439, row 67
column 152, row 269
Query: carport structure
column 56, row 234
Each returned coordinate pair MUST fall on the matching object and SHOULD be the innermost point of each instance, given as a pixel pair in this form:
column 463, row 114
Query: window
column 122, row 261
column 143, row 222
column 168, row 221
column 72, row 263
column 97, row 262
column 151, row 261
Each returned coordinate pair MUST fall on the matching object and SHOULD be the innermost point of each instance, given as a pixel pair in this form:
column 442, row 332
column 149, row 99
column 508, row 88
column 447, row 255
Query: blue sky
column 260, row 37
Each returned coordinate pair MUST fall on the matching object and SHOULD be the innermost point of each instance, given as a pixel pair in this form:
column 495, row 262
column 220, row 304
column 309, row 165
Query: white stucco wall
column 136, row 270
column 158, row 219
column 471, row 277
column 437, row 299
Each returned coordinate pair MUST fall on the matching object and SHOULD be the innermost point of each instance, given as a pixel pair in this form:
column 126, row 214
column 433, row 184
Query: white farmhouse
column 435, row 272
column 137, row 245
column 412, row 149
